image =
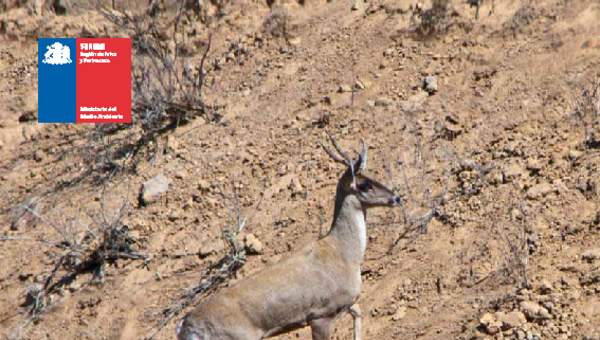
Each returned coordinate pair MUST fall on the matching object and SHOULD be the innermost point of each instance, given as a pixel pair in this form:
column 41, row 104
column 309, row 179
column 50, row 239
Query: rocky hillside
column 485, row 120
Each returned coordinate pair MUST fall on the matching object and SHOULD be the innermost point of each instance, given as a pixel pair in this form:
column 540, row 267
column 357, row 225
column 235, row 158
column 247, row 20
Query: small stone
column 384, row 101
column 181, row 174
column 27, row 116
column 512, row 172
column 533, row 165
column 344, row 88
column 172, row 146
column 539, row 190
column 574, row 154
column 489, row 322
column 295, row 41
column 203, row 185
column 173, row 215
column 357, row 5
column 511, row 320
column 399, row 314
column 591, row 255
column 253, row 245
column 545, row 287
column 39, row 155
column 495, row 177
column 534, row 311
column 153, row 188
column 430, row 84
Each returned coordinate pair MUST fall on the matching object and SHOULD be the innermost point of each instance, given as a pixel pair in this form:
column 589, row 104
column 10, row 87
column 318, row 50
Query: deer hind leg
column 321, row 328
column 357, row 316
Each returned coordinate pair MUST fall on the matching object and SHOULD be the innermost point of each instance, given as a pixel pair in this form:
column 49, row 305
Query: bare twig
column 216, row 274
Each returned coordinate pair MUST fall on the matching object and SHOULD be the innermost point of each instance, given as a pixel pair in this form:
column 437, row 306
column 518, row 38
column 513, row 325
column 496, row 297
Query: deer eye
column 365, row 186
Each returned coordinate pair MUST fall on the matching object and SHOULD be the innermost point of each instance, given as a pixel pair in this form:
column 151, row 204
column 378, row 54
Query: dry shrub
column 524, row 16
column 432, row 21
column 83, row 245
column 587, row 113
column 277, row 22
column 167, row 89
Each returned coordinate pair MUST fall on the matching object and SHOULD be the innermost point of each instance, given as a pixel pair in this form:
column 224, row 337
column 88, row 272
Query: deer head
column 369, row 192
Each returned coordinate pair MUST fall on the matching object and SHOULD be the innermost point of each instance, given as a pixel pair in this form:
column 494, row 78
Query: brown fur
column 311, row 287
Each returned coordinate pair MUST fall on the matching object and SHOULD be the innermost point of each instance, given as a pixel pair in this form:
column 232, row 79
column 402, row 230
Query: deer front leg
column 357, row 316
column 321, row 328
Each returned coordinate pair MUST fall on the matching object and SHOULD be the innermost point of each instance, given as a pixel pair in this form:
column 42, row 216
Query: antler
column 342, row 157
column 363, row 155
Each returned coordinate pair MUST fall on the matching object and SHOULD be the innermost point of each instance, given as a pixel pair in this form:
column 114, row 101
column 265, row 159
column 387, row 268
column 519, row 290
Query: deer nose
column 395, row 200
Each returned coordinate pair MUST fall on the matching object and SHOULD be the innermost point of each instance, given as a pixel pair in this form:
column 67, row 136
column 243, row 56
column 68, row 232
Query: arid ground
column 488, row 127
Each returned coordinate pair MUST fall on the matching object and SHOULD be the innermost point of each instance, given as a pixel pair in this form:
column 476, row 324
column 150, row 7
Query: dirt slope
column 517, row 236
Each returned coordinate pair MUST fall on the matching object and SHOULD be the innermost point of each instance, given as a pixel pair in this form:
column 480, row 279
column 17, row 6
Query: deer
column 310, row 288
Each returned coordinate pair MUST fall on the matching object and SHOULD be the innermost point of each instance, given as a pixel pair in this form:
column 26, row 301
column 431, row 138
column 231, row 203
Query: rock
column 38, row 156
column 384, row 101
column 534, row 165
column 344, row 88
column 203, row 185
column 153, row 188
column 27, row 116
column 430, row 85
column 253, row 245
column 545, row 287
column 591, row 255
column 512, row 172
column 172, row 145
column 511, row 320
column 534, row 311
column 400, row 313
column 174, row 216
column 357, row 5
column 295, row 41
column 574, row 154
column 539, row 190
column 489, row 322
column 495, row 176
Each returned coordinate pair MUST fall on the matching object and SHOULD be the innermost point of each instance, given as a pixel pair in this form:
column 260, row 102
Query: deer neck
column 349, row 228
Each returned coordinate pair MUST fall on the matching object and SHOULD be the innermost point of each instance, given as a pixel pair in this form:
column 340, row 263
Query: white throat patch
column 359, row 220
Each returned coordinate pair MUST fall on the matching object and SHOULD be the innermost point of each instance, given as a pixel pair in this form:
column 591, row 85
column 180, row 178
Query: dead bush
column 80, row 248
column 167, row 81
column 216, row 274
column 587, row 113
column 524, row 16
column 433, row 21
column 277, row 22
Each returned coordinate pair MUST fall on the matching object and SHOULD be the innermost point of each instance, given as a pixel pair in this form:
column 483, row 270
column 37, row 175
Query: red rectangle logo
column 103, row 80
